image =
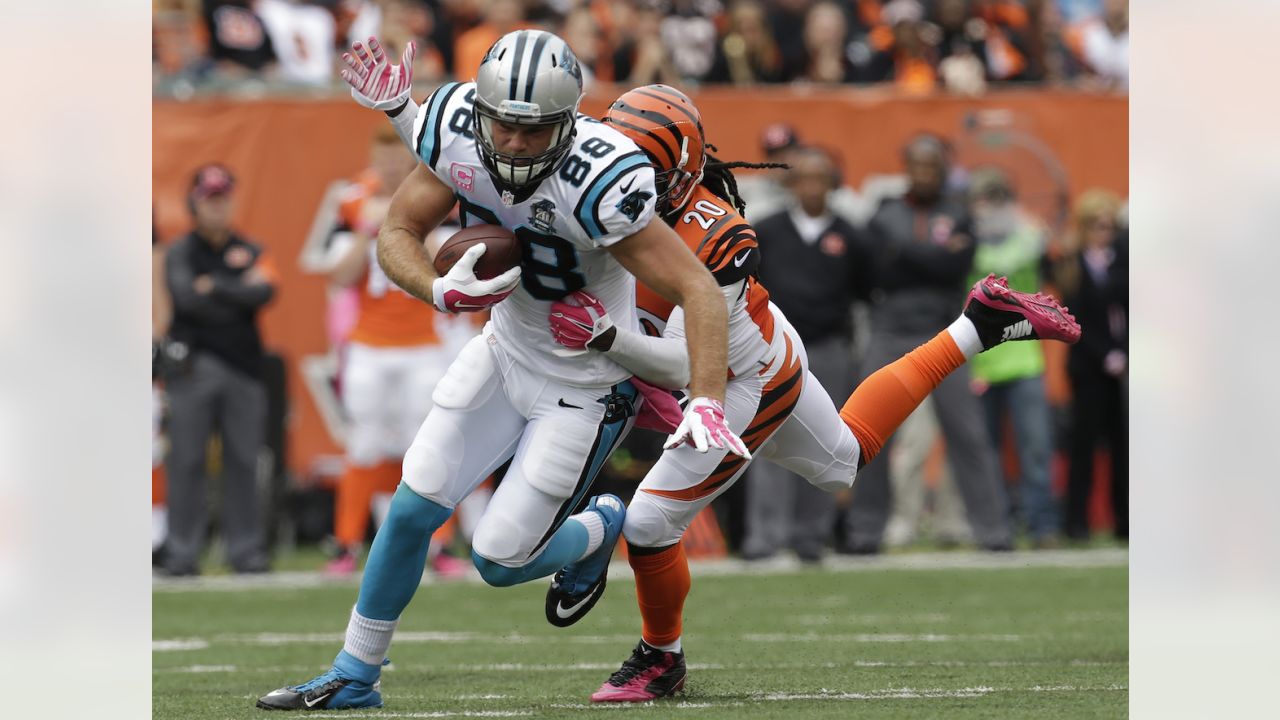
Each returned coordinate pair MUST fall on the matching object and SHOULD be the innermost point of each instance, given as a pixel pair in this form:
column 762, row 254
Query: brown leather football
column 503, row 250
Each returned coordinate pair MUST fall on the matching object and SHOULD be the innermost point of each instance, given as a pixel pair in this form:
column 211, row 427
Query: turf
column 1043, row 642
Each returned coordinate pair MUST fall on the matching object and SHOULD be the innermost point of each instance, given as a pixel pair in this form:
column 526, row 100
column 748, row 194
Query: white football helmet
column 528, row 77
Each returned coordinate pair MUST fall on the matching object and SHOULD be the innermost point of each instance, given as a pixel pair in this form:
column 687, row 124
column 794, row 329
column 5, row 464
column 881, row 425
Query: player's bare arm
column 660, row 260
column 420, row 204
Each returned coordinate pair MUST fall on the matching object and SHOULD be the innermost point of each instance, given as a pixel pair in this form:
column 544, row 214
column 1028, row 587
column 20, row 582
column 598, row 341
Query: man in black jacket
column 815, row 266
column 923, row 253
column 219, row 281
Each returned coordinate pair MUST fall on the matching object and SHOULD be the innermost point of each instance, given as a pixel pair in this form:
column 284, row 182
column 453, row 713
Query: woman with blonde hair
column 1092, row 277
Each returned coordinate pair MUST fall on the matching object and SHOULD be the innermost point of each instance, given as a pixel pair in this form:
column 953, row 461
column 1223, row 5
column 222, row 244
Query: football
column 503, row 250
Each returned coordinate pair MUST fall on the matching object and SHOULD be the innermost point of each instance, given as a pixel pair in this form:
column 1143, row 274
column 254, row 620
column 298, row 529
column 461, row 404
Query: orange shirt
column 725, row 242
column 388, row 316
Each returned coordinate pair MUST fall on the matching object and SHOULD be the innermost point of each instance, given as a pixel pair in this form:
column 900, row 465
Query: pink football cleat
column 648, row 674
column 342, row 566
column 1002, row 314
column 449, row 567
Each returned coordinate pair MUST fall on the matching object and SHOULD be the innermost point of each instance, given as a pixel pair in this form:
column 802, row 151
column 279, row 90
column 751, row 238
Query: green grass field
column 1029, row 640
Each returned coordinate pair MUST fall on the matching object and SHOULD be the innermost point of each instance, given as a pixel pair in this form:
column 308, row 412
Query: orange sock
column 388, row 476
column 351, row 512
column 158, row 486
column 881, row 402
column 443, row 536
column 662, row 584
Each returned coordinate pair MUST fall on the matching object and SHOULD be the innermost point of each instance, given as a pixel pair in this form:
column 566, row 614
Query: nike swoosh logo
column 627, row 187
column 312, row 703
column 563, row 612
column 562, row 403
column 737, row 262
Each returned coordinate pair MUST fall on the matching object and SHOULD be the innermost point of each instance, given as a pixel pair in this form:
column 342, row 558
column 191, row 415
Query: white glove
column 704, row 425
column 461, row 291
column 375, row 82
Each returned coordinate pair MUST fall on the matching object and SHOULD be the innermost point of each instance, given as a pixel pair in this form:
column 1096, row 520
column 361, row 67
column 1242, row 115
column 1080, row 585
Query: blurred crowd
column 917, row 46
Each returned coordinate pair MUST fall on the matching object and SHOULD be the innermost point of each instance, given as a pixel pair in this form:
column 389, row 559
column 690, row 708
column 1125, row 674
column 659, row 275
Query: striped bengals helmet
column 665, row 124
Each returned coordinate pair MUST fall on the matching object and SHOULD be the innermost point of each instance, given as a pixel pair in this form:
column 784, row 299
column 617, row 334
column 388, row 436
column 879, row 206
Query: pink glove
column 659, row 411
column 461, row 291
column 375, row 82
column 705, row 427
column 578, row 319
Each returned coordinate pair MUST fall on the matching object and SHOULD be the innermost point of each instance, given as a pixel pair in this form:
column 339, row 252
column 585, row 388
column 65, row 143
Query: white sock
column 159, row 526
column 966, row 336
column 369, row 639
column 674, row 647
column 595, row 530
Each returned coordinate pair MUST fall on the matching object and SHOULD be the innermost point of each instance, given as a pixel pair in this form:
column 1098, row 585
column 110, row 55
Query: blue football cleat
column 348, row 685
column 576, row 588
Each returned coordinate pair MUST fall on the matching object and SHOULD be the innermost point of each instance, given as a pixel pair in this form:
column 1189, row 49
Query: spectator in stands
column 304, row 36
column 1092, row 277
column 1101, row 43
column 1014, row 39
column 826, row 35
column 239, row 45
column 817, row 265
column 914, row 56
column 689, row 34
column 1010, row 379
column 643, row 58
column 962, row 48
column 748, row 53
column 405, row 20
column 896, row 48
column 923, row 252
column 500, row 18
column 219, row 282
column 179, row 38
column 582, row 33
column 787, row 19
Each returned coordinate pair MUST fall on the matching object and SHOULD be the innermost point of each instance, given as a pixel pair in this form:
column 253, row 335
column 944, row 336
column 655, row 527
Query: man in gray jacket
column 922, row 254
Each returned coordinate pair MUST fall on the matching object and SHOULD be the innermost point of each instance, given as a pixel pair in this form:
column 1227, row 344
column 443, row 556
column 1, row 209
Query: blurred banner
column 287, row 154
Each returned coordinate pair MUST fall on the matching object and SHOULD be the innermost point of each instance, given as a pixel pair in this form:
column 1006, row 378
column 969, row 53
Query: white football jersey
column 602, row 193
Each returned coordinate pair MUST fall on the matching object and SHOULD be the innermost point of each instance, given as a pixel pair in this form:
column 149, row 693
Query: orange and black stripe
column 733, row 255
column 777, row 402
column 653, row 114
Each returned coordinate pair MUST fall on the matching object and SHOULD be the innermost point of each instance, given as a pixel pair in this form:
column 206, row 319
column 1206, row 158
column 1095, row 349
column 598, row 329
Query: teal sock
column 399, row 554
column 565, row 546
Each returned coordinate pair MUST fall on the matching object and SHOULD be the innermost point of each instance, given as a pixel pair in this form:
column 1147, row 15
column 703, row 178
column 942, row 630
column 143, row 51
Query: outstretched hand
column 375, row 82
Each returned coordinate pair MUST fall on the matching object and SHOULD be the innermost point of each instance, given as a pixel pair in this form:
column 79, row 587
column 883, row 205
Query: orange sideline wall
column 286, row 152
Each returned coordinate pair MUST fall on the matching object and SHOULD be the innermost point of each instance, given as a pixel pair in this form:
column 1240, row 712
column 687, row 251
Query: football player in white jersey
column 512, row 149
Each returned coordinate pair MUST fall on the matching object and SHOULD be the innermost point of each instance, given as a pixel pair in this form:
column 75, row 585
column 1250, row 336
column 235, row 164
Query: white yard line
column 812, row 637
column 698, row 667
column 1103, row 557
column 474, row 638
column 440, row 714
